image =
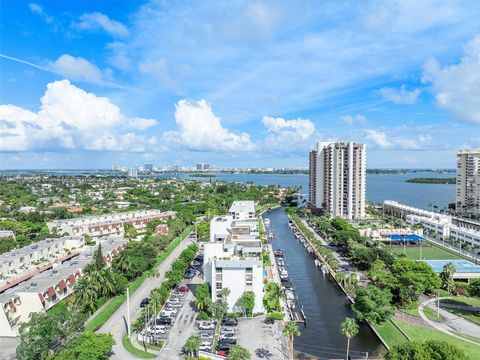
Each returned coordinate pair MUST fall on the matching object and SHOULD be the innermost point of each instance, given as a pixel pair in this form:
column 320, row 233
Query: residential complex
column 337, row 175
column 444, row 227
column 45, row 289
column 468, row 182
column 108, row 224
column 232, row 258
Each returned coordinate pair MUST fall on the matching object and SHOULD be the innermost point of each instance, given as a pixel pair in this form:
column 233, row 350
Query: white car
column 227, row 331
column 206, row 336
column 206, row 325
column 168, row 313
column 206, row 343
column 157, row 329
column 205, row 348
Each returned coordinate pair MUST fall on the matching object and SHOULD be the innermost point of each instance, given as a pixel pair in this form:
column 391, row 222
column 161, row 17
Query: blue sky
column 236, row 84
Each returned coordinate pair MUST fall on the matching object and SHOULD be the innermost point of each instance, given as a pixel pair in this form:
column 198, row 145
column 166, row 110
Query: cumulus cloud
column 379, row 138
column 37, row 9
column 401, row 95
column 200, row 129
column 78, row 68
column 414, row 142
column 71, row 118
column 287, row 135
column 457, row 87
column 99, row 21
column 351, row 120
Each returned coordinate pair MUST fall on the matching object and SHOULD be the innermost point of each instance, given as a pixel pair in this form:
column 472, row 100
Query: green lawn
column 463, row 300
column 428, row 253
column 469, row 315
column 429, row 313
column 423, row 333
column 127, row 344
column 390, row 334
column 104, row 314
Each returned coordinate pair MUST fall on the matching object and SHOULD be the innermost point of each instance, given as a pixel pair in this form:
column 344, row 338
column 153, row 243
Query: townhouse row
column 108, row 224
column 46, row 289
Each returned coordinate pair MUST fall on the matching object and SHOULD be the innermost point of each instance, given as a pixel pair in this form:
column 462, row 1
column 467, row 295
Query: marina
column 317, row 299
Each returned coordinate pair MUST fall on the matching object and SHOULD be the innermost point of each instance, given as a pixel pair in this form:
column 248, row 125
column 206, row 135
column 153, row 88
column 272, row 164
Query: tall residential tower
column 337, row 179
column 468, row 182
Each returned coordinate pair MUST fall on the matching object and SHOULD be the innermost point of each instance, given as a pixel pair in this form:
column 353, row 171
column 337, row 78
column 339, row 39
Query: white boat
column 271, row 235
column 289, row 294
column 324, row 269
column 318, row 263
column 267, row 221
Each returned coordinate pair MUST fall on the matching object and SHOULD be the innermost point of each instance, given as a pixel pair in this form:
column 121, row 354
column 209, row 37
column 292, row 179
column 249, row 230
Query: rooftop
column 244, row 206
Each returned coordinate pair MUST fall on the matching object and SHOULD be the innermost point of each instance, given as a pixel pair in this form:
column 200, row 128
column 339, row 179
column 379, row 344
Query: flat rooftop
column 245, row 206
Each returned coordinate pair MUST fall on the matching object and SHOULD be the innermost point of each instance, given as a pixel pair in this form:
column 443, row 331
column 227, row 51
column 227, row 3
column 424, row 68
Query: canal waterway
column 324, row 303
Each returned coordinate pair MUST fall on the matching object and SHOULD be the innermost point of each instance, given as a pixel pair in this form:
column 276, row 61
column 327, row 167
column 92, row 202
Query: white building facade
column 232, row 258
column 468, row 182
column 337, row 179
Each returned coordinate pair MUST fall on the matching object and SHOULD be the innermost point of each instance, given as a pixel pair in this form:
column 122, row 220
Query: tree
column 98, row 262
column 290, row 330
column 429, row 350
column 246, row 302
column 130, row 231
column 218, row 309
column 46, row 332
column 88, row 346
column 192, row 345
column 224, row 293
column 349, row 328
column 473, row 288
column 238, row 352
column 273, row 293
column 373, row 304
column 447, row 276
column 202, row 296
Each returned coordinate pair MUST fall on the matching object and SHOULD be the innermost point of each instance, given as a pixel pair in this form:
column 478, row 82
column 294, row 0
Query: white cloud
column 400, row 96
column 379, row 138
column 350, row 119
column 287, row 135
column 78, row 68
column 457, row 87
column 159, row 70
column 37, row 9
column 99, row 21
column 201, row 129
column 71, row 118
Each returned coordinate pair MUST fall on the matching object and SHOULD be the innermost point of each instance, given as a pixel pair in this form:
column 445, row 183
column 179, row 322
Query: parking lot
column 264, row 341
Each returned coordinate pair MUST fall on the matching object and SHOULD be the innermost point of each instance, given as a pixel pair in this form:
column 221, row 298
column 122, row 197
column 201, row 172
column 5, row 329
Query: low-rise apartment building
column 108, row 224
column 232, row 258
column 20, row 264
column 43, row 291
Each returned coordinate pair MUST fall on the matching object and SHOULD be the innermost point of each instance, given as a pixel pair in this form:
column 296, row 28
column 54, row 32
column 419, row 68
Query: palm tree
column 290, row 330
column 192, row 345
column 349, row 328
column 224, row 293
column 123, row 262
column 447, row 274
column 273, row 294
column 85, row 295
column 238, row 352
column 340, row 276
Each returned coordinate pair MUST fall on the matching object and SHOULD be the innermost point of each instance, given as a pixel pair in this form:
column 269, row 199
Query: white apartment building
column 232, row 258
column 108, row 224
column 468, row 182
column 337, row 176
column 396, row 209
column 20, row 264
column 46, row 289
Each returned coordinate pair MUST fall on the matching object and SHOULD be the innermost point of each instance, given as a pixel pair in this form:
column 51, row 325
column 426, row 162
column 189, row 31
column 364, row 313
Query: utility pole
column 438, row 303
column 128, row 312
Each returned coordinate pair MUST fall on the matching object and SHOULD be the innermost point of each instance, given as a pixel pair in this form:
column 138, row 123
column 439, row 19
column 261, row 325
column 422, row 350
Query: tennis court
column 461, row 266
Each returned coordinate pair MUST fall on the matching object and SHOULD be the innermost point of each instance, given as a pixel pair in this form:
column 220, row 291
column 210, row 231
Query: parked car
column 223, row 353
column 269, row 321
column 231, row 341
column 144, row 302
column 205, row 348
column 157, row 329
column 224, row 346
column 229, row 322
column 227, row 335
column 164, row 320
column 173, row 304
column 206, row 336
column 189, row 275
column 182, row 289
column 227, row 331
column 168, row 313
column 206, row 325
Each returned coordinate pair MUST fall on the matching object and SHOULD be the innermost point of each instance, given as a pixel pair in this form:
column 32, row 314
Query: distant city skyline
column 88, row 84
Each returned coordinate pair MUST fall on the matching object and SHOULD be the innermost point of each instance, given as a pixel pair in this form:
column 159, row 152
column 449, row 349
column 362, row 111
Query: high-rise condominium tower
column 337, row 179
column 468, row 181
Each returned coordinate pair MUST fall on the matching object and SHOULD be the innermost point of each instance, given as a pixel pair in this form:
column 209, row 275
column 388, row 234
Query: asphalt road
column 116, row 325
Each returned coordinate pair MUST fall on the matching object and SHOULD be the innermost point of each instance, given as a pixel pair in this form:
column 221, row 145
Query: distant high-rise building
column 203, row 167
column 115, row 167
column 133, row 172
column 148, row 167
column 468, row 182
column 337, row 175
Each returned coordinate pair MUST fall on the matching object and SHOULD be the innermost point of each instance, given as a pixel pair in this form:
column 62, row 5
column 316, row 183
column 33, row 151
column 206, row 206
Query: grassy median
column 104, row 314
column 127, row 344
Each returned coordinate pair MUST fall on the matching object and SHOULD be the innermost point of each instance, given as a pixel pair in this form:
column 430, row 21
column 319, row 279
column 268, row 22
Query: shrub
column 203, row 315
column 275, row 315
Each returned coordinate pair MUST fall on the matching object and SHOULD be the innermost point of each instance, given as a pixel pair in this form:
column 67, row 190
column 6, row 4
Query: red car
column 183, row 289
column 222, row 353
